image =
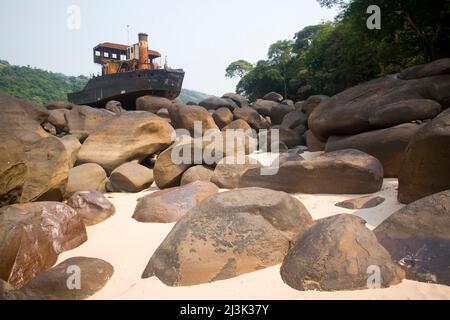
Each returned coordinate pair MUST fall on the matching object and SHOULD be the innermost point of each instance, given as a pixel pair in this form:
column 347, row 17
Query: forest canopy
column 330, row 57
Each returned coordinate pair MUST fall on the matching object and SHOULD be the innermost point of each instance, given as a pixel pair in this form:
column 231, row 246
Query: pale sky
column 200, row 36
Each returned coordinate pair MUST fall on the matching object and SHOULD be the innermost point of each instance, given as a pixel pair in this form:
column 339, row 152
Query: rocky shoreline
column 65, row 169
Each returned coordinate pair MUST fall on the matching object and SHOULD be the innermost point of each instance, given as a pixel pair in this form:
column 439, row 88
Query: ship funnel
column 143, row 51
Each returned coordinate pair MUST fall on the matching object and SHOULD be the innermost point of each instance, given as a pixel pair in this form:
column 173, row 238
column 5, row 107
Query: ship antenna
column 165, row 62
column 128, row 34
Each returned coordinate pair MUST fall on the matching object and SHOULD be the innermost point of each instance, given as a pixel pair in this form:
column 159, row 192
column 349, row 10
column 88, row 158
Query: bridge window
column 106, row 54
column 123, row 57
column 97, row 53
column 114, row 56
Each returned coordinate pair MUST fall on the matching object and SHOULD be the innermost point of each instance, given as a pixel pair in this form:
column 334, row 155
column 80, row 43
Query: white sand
column 128, row 245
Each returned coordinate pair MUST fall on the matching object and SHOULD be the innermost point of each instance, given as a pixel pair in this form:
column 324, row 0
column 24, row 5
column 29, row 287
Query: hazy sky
column 200, row 36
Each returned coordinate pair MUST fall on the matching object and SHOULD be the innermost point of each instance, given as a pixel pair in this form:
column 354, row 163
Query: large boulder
column 72, row 145
column 418, row 238
column 197, row 173
column 92, row 206
column 426, row 166
column 60, row 105
column 264, row 107
column 357, row 173
column 22, row 119
column 228, row 234
column 56, row 284
column 186, row 117
column 237, row 125
column 170, row 205
column 229, row 170
column 152, row 103
column 312, row 103
column 387, row 145
column 130, row 177
column 213, row 103
column 167, row 172
column 129, row 136
column 237, row 98
column 81, row 121
column 48, row 171
column 294, row 119
column 338, row 253
column 273, row 96
column 380, row 103
column 360, row 203
column 278, row 113
column 313, row 143
column 13, row 168
column 114, row 107
column 437, row 67
column 32, row 235
column 57, row 118
column 252, row 117
column 88, row 176
column 222, row 117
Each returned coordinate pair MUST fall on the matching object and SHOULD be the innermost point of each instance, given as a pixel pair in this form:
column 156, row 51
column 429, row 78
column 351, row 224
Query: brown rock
column 129, row 136
column 171, row 204
column 84, row 120
column 185, row 117
column 273, row 96
column 251, row 116
column 380, row 103
column 214, row 103
column 72, row 145
column 418, row 238
column 237, row 99
column 92, row 206
column 48, row 171
column 312, row 103
column 114, row 107
column 152, row 103
column 437, row 67
column 337, row 253
column 426, row 166
column 387, row 145
column 229, row 170
column 60, row 105
column 130, row 177
column 361, row 203
column 58, row 119
column 197, row 173
column 13, row 168
column 88, row 176
column 237, row 125
column 357, row 173
column 222, row 117
column 228, row 234
column 32, row 235
column 22, row 119
column 313, row 143
column 53, row 284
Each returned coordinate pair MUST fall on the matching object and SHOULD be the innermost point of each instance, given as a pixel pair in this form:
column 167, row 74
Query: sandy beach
column 128, row 245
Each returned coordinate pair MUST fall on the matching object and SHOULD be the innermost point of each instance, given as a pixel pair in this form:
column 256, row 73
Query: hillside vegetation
column 43, row 86
column 329, row 57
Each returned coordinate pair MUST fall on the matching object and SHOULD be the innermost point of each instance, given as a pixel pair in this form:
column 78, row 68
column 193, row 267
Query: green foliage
column 42, row 86
column 238, row 68
column 191, row 95
column 37, row 85
column 330, row 57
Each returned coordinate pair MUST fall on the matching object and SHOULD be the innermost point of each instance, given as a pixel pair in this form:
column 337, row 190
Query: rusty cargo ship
column 128, row 72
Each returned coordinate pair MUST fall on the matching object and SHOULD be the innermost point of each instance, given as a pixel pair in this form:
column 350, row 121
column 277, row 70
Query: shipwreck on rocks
column 128, row 72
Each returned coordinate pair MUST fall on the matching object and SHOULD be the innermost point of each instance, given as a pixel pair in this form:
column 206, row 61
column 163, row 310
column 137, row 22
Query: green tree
column 280, row 54
column 238, row 68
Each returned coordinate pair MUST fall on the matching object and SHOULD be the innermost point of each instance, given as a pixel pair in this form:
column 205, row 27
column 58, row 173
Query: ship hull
column 126, row 87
